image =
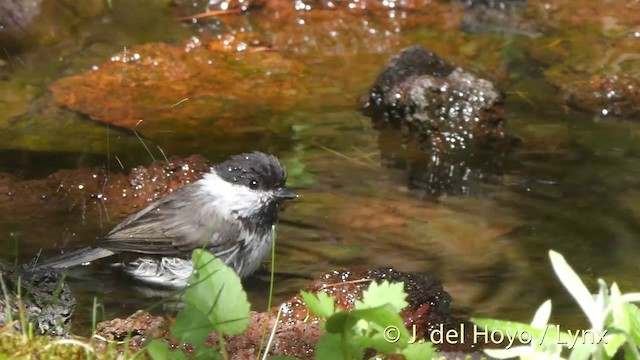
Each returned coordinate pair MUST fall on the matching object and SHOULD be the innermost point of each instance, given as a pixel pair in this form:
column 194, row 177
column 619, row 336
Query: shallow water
column 572, row 185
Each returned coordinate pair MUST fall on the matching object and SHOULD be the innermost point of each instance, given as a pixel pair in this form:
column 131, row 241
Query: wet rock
column 138, row 327
column 593, row 57
column 298, row 331
column 89, row 197
column 429, row 305
column 495, row 16
column 31, row 22
column 445, row 106
column 456, row 118
column 429, row 309
column 606, row 95
column 200, row 80
column 47, row 301
column 203, row 6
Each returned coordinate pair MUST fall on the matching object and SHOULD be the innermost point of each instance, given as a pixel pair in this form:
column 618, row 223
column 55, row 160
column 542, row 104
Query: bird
column 231, row 212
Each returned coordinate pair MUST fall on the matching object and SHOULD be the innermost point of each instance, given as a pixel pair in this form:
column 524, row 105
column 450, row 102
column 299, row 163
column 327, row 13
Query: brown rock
column 194, row 82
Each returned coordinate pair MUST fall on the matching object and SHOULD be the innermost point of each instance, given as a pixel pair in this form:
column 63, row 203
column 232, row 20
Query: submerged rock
column 45, row 298
column 453, row 115
column 606, row 95
column 36, row 22
column 198, row 82
column 499, row 16
column 89, row 199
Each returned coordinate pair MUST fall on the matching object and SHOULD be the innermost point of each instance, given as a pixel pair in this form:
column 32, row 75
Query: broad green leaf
column 320, row 304
column 340, row 322
column 216, row 291
column 419, row 351
column 613, row 343
column 633, row 314
column 192, row 326
column 582, row 352
column 576, row 288
column 330, row 347
column 383, row 293
column 281, row 357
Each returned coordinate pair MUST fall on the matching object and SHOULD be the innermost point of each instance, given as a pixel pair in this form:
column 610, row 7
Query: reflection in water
column 432, row 172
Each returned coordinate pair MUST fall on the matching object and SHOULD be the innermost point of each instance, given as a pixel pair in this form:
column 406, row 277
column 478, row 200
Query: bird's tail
column 74, row 258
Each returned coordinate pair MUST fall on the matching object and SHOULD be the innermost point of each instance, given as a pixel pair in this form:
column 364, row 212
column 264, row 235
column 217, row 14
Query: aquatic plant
column 614, row 320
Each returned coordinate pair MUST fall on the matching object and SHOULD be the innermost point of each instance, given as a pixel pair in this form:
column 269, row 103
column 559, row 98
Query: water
column 572, row 185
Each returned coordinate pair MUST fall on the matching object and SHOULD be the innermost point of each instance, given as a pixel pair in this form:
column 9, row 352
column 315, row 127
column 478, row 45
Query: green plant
column 615, row 324
column 350, row 333
column 214, row 302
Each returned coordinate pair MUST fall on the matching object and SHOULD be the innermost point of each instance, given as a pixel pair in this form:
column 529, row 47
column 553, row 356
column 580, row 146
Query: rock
column 87, row 196
column 298, row 331
column 447, row 107
column 606, row 95
column 138, row 327
column 429, row 305
column 504, row 16
column 592, row 59
column 454, row 119
column 197, row 81
column 35, row 22
column 47, row 301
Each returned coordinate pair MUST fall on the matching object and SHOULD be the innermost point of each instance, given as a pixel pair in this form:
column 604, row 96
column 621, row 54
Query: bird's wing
column 176, row 224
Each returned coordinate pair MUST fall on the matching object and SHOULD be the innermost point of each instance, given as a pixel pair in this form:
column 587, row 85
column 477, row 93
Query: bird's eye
column 253, row 184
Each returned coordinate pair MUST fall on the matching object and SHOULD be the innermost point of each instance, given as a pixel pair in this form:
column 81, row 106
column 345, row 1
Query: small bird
column 230, row 212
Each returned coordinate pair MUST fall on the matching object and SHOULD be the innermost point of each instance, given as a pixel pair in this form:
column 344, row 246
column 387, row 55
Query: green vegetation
column 375, row 323
column 614, row 321
column 215, row 302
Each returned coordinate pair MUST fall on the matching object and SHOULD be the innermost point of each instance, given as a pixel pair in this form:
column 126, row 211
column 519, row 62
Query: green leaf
column 330, row 347
column 384, row 316
column 383, row 293
column 613, row 343
column 418, row 351
column 582, row 351
column 633, row 314
column 320, row 304
column 281, row 357
column 159, row 350
column 340, row 322
column 192, row 326
column 216, row 292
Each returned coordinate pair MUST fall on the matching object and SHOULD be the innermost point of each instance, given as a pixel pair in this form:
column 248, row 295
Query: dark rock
column 443, row 125
column 429, row 305
column 16, row 15
column 494, row 16
column 47, row 301
column 447, row 107
column 35, row 22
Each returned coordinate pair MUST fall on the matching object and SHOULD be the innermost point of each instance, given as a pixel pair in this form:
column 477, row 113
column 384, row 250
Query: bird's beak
column 285, row 194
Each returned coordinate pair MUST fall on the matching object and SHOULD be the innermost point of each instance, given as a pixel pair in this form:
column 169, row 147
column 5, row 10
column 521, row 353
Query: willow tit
column 230, row 211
